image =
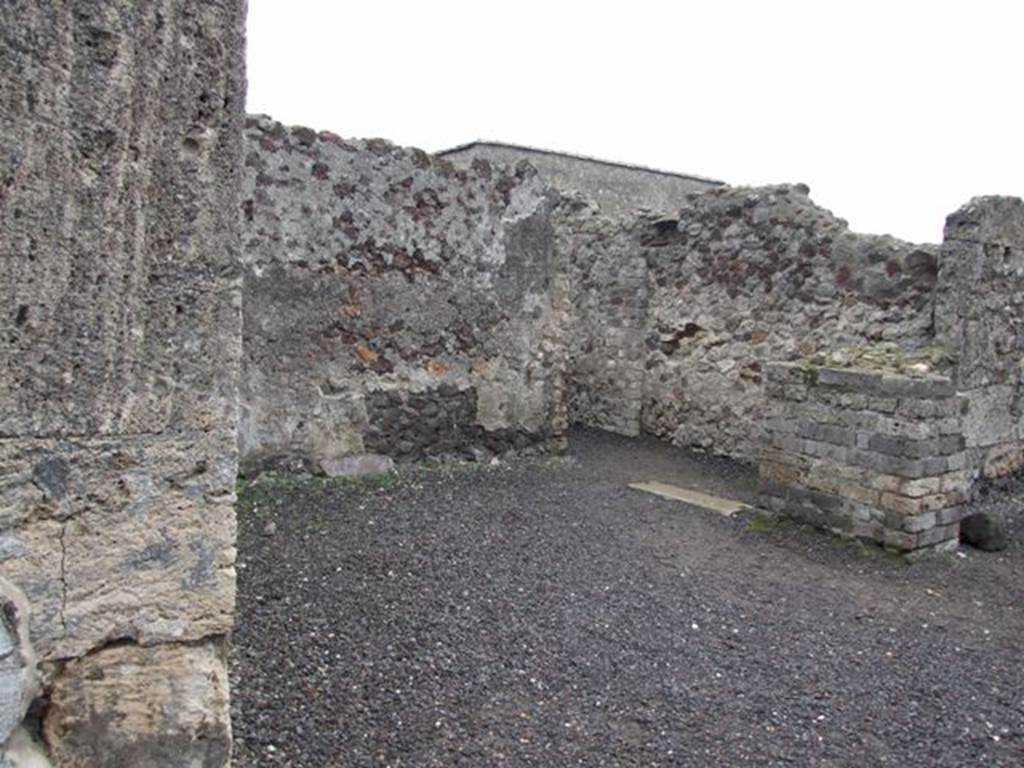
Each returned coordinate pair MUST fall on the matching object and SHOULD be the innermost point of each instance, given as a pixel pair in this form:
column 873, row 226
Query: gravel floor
column 543, row 614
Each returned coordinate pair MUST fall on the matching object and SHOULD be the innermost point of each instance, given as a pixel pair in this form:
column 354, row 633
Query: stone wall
column 868, row 453
column 618, row 189
column 980, row 318
column 120, row 337
column 607, row 345
column 395, row 304
column 704, row 299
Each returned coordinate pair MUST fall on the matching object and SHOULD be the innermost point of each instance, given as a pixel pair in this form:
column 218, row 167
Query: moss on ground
column 271, row 486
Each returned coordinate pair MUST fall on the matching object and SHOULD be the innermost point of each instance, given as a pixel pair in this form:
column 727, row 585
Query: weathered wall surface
column 979, row 316
column 607, row 343
column 618, row 189
column 742, row 276
column 395, row 304
column 120, row 127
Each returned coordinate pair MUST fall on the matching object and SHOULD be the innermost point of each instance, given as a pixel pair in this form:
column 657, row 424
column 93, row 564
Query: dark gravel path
column 545, row 615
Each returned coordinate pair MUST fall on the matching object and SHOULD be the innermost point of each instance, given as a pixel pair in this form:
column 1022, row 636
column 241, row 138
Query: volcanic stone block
column 116, row 538
column 985, row 530
column 127, row 705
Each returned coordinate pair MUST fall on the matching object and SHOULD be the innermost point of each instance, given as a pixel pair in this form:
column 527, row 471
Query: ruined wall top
column 991, row 219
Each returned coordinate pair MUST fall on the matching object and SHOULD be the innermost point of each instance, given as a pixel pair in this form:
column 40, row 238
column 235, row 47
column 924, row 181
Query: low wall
column 394, row 304
column 677, row 317
column 866, row 453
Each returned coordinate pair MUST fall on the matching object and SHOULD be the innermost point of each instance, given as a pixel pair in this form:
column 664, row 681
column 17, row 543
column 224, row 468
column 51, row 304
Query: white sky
column 894, row 113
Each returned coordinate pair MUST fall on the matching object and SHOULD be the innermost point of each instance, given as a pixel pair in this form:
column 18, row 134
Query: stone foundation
column 867, row 453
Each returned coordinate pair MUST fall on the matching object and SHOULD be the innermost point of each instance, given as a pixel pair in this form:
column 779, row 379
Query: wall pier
column 866, row 453
column 120, row 345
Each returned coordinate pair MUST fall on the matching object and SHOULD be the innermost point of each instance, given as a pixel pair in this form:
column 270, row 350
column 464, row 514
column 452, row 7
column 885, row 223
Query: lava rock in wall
column 395, row 304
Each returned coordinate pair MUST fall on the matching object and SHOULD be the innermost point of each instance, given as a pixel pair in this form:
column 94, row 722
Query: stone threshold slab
column 727, row 507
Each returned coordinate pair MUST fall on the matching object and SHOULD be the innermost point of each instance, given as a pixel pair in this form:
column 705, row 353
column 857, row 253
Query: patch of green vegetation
column 761, row 523
column 268, row 486
column 928, row 553
column 810, row 376
column 557, row 460
column 431, row 464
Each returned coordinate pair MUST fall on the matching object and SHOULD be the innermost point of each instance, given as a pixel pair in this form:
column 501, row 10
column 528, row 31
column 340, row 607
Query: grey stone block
column 916, row 449
column 938, row 535
column 358, row 466
column 826, row 433
column 786, row 373
column 853, row 379
column 926, row 388
column 887, row 464
column 789, row 442
column 894, row 446
column 917, row 408
column 918, row 523
column 900, row 540
column 950, row 515
column 884, row 404
column 782, row 425
column 936, row 465
column 836, row 453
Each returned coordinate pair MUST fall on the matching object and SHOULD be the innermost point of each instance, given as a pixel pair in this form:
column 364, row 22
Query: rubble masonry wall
column 677, row 316
column 395, row 304
column 979, row 317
